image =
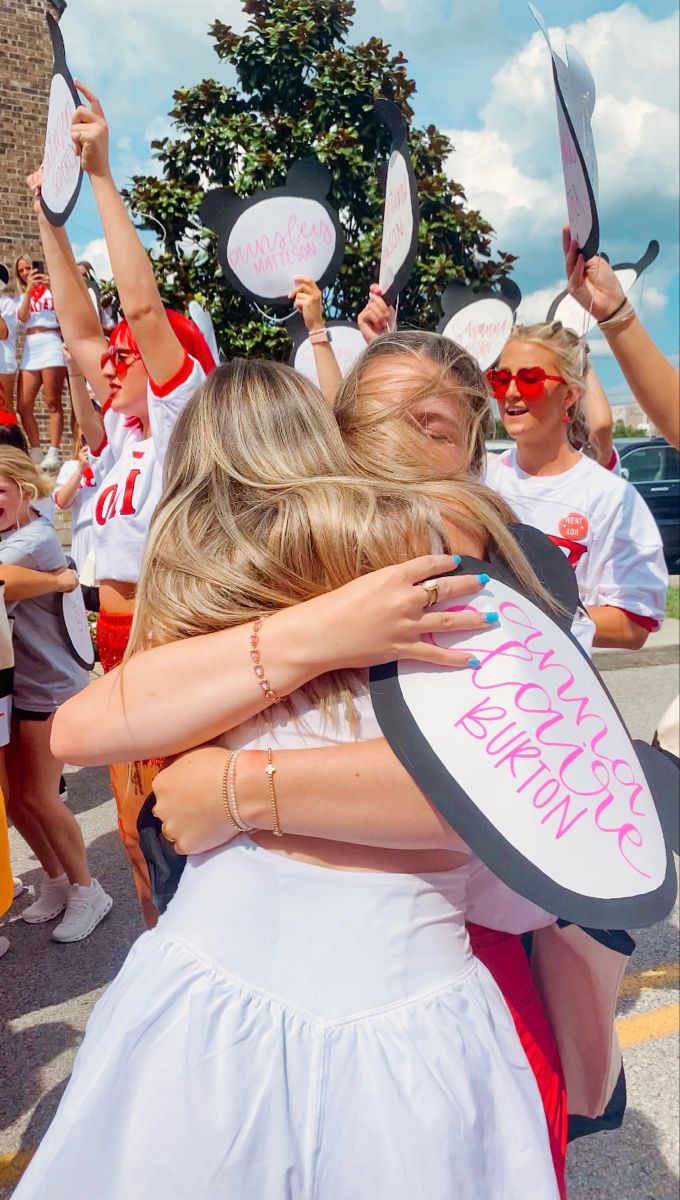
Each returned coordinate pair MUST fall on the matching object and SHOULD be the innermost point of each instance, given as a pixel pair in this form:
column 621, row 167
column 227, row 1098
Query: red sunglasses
column 121, row 360
column 529, row 380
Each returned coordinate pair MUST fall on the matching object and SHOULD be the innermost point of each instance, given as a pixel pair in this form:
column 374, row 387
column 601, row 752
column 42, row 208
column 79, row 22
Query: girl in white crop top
column 42, row 362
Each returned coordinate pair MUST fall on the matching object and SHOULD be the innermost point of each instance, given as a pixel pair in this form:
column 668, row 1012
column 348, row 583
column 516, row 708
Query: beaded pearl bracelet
column 264, row 683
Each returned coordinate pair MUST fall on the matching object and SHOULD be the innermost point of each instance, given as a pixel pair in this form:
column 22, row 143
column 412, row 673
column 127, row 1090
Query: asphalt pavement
column 47, row 992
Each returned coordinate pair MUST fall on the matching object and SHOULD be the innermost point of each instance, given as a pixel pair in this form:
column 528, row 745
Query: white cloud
column 510, row 167
column 96, row 252
column 649, row 298
column 155, row 47
column 535, row 305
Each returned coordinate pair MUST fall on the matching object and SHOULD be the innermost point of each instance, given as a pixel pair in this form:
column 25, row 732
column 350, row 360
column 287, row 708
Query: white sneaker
column 51, row 460
column 63, row 790
column 35, row 454
column 50, row 902
column 85, row 908
column 18, row 886
column 4, row 946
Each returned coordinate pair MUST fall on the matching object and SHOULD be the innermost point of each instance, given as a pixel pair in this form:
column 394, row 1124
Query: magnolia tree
column 301, row 87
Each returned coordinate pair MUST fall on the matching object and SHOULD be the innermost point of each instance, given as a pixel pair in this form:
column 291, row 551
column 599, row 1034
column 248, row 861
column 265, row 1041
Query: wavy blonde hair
column 20, row 468
column 263, row 508
column 385, row 442
column 571, row 355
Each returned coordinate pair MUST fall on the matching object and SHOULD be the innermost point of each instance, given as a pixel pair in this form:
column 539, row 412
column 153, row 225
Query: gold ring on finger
column 432, row 592
column 166, row 835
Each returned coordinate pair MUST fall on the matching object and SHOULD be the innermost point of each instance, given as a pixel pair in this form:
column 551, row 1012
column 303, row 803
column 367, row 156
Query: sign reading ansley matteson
column 528, row 760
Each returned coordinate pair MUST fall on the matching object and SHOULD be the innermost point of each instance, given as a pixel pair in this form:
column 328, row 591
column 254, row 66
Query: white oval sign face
column 551, row 793
column 397, row 222
column 61, row 165
column 348, row 344
column 277, row 239
column 482, row 328
column 78, row 628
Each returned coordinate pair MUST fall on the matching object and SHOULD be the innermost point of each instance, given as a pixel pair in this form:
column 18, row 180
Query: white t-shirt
column 81, row 509
column 128, row 470
column 8, row 346
column 603, row 526
column 41, row 314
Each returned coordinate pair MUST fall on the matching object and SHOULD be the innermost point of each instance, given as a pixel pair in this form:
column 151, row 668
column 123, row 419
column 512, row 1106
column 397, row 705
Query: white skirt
column 290, row 1032
column 42, row 350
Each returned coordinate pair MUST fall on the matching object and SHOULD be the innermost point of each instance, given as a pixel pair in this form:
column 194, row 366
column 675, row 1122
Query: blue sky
column 483, row 75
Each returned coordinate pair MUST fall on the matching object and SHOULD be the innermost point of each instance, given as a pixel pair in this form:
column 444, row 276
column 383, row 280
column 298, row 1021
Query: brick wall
column 25, row 74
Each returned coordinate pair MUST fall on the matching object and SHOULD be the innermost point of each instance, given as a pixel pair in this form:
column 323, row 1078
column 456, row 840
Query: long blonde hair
column 571, row 355
column 385, row 442
column 21, row 469
column 263, row 508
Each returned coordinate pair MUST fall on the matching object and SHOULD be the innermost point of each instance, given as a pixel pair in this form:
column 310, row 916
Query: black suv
column 653, row 468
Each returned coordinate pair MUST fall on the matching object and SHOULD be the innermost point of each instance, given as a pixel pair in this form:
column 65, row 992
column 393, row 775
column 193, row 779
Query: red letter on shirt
column 127, row 508
column 106, row 504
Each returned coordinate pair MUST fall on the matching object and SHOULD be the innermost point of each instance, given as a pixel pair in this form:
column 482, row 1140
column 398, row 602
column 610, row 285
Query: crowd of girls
column 329, row 927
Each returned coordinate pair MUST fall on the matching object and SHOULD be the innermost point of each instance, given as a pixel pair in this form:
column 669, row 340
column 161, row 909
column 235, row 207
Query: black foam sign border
column 417, row 757
column 60, row 68
column 389, row 114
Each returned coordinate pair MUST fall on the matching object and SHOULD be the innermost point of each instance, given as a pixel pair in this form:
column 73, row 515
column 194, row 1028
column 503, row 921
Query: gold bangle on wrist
column 270, row 771
column 225, row 791
column 621, row 317
column 232, row 801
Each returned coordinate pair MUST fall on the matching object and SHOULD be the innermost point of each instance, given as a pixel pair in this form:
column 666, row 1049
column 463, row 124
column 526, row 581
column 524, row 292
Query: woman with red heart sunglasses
column 551, row 481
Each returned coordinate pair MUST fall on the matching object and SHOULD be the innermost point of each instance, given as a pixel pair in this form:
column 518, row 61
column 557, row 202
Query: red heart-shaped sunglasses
column 121, row 360
column 530, row 381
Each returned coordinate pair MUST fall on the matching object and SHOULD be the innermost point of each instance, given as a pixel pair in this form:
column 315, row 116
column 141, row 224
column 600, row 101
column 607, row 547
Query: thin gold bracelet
column 264, row 683
column 270, row 770
column 225, row 792
column 232, row 800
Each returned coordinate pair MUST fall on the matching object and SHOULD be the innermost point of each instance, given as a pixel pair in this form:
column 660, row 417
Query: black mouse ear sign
column 309, row 177
column 58, row 48
column 510, row 293
column 381, row 175
column 4, row 274
column 648, row 257
column 390, row 114
column 218, row 209
column 454, row 297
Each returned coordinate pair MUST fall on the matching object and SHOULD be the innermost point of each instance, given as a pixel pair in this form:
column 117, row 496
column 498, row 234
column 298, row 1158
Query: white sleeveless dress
column 293, row 1032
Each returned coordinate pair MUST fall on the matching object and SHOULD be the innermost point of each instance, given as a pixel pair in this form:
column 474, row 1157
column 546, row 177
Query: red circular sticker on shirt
column 574, row 526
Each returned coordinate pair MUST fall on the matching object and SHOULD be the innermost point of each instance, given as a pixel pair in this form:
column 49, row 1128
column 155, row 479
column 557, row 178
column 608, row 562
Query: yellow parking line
column 648, row 1026
column 666, row 975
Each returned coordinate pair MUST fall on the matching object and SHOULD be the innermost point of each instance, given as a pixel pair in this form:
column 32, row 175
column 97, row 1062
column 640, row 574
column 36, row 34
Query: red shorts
column 504, row 956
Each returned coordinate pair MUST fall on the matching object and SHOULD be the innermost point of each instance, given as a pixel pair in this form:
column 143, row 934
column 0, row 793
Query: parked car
column 653, row 468
column 498, row 445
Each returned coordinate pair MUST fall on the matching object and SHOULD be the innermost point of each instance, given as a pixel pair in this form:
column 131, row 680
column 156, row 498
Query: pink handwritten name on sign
column 397, row 221
column 541, row 751
column 482, row 328
column 276, row 239
column 61, row 165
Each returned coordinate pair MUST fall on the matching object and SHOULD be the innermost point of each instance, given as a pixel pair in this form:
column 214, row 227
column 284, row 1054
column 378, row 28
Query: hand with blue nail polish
column 491, row 617
column 484, row 579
